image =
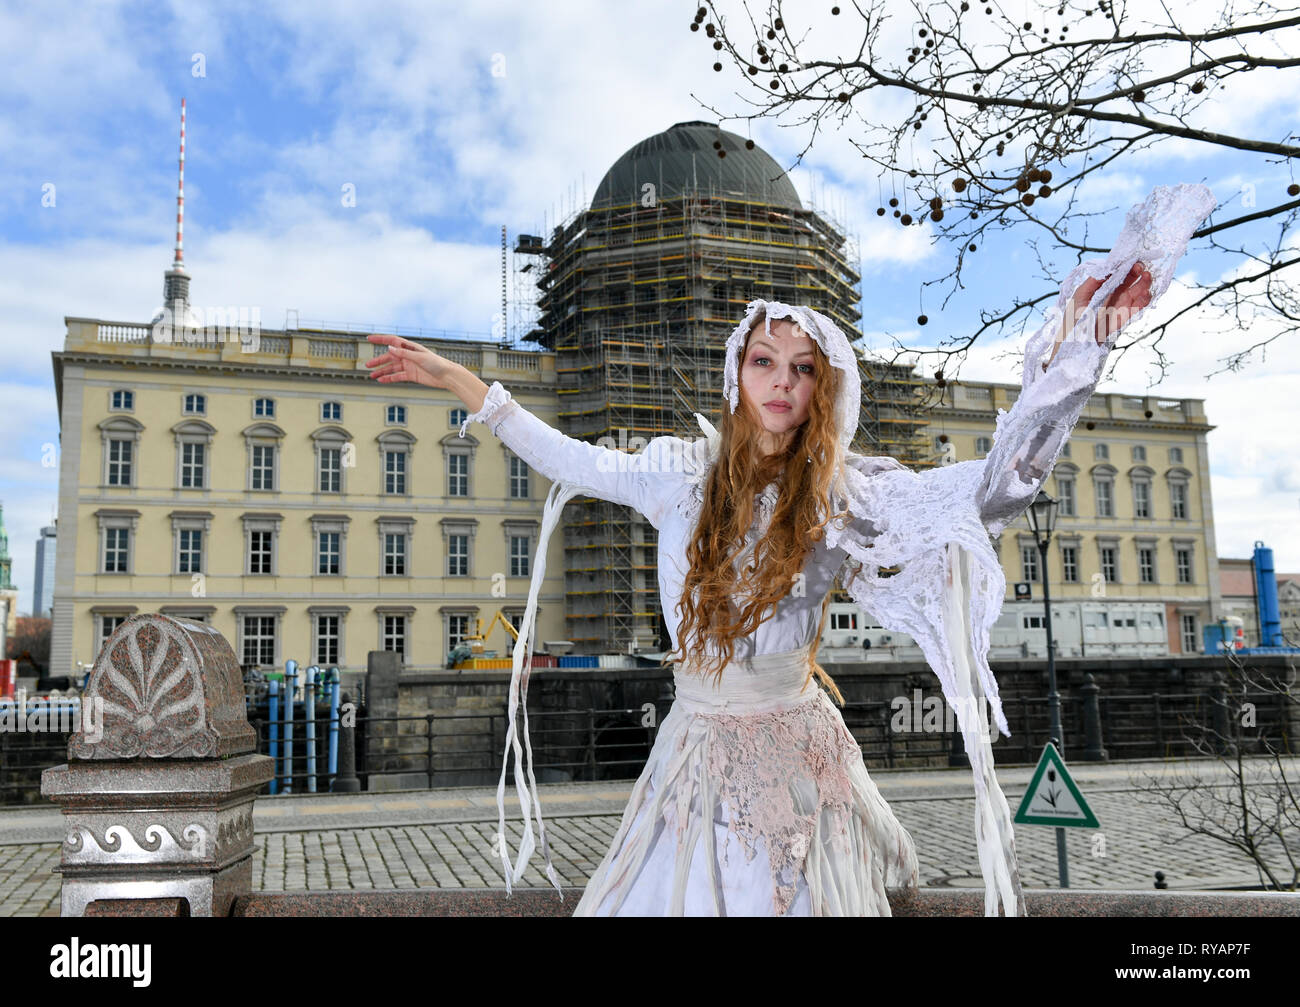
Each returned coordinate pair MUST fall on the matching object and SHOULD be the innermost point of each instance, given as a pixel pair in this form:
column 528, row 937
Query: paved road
column 443, row 838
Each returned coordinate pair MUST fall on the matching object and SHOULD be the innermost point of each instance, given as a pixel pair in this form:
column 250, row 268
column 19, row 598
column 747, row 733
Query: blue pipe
column 309, row 698
column 274, row 700
column 290, row 687
column 334, row 723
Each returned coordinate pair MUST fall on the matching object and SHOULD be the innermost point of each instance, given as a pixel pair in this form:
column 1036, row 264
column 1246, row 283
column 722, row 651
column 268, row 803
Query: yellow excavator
column 470, row 653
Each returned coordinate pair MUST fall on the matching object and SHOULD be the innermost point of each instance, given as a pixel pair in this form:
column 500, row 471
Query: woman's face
column 776, row 378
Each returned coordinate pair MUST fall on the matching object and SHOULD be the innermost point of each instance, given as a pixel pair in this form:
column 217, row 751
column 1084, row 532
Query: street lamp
column 1041, row 516
column 1042, row 522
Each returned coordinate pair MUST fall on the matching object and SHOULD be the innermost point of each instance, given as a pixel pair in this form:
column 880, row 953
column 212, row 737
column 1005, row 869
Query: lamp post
column 1042, row 522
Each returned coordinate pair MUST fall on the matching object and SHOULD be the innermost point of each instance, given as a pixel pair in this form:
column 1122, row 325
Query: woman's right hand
column 408, row 361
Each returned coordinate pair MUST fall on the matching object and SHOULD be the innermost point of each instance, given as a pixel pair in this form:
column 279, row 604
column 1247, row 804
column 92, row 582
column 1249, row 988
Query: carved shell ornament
column 148, row 679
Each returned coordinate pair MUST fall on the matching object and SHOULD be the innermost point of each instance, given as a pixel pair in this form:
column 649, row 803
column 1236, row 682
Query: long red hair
column 805, row 469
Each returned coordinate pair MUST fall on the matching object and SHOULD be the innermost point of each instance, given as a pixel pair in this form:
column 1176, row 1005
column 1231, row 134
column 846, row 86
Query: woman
column 755, row 799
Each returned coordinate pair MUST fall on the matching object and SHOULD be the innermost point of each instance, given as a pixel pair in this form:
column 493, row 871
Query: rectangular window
column 844, row 620
column 191, row 550
column 331, row 411
column 192, row 464
column 1069, row 564
column 457, row 555
column 1029, row 562
column 116, row 542
column 1183, row 559
column 264, row 407
column 458, row 475
column 518, row 478
column 259, row 639
column 1178, row 497
column 259, row 552
column 331, row 470
column 196, row 404
column 394, row 554
column 1141, row 499
column 1190, row 641
column 123, row 400
column 395, row 634
column 457, row 629
column 327, row 639
column 119, row 463
column 394, row 471
column 519, row 556
column 327, row 563
column 1146, row 565
column 1108, row 570
column 397, row 414
column 263, row 466
column 1065, row 487
column 108, row 623
column 1104, row 503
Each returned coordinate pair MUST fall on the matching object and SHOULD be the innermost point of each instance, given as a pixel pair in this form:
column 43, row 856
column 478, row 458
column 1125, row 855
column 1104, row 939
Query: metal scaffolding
column 636, row 301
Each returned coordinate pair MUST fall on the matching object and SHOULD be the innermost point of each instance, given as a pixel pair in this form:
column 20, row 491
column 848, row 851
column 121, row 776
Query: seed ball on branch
column 893, row 201
column 1044, row 191
column 971, row 246
column 1046, row 176
column 1027, row 199
column 880, row 211
column 1022, row 184
column 936, row 215
column 958, row 185
column 1198, row 87
column 936, row 203
column 905, row 219
column 921, row 319
column 749, row 144
column 1033, row 174
column 717, row 67
column 1293, row 189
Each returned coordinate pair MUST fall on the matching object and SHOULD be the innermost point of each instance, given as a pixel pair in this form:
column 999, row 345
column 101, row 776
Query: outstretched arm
column 1056, row 387
column 641, row 481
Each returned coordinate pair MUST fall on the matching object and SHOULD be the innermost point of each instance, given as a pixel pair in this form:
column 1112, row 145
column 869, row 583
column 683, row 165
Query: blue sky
column 296, row 100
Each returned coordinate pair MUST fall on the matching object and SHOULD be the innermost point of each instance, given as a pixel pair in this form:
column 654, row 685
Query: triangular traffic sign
column 1052, row 797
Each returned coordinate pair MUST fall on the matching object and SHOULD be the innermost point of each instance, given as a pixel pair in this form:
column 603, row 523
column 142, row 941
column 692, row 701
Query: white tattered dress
column 754, row 799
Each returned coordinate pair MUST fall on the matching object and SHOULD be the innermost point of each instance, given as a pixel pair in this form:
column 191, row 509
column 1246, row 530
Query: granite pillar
column 157, row 794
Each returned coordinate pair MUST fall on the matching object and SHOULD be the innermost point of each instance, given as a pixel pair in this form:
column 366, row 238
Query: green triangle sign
column 1052, row 797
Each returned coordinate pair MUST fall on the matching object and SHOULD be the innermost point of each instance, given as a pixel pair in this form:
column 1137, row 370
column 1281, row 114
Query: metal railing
column 613, row 743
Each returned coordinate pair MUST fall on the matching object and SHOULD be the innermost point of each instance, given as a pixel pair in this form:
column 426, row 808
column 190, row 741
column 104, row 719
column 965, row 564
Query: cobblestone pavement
column 443, row 838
